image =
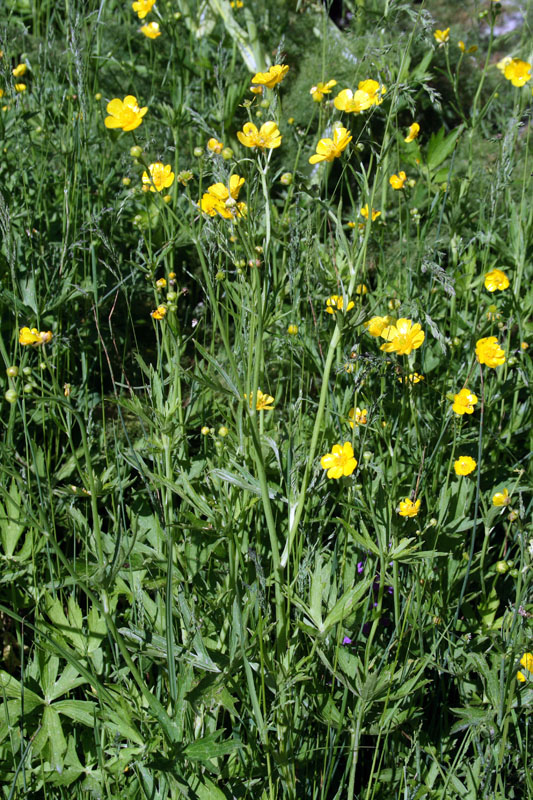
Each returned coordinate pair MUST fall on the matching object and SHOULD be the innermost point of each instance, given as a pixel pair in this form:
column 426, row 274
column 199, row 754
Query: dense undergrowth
column 265, row 494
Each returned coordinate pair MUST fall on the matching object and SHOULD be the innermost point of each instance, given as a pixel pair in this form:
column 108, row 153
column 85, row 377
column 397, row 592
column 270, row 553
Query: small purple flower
column 360, row 566
column 346, row 640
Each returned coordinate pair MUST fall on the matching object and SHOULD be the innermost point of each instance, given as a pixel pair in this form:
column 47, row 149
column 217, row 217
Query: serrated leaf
column 207, row 748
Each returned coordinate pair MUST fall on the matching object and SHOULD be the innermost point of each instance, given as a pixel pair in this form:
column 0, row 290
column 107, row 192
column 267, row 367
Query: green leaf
column 82, row 711
column 441, row 146
column 346, row 605
column 51, row 735
column 207, row 748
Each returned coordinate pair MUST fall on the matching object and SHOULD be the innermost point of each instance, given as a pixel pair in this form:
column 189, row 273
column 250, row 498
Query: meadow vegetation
column 266, row 432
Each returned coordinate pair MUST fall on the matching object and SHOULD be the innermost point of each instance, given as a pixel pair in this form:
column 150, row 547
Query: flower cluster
column 338, row 303
column 369, row 93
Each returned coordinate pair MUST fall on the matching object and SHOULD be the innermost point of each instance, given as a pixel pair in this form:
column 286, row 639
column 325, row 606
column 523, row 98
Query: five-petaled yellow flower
column 364, row 212
column 340, row 461
column 464, row 465
column 518, row 72
column 369, row 93
column 408, row 507
column 496, row 279
column 274, row 75
column 414, row 130
column 33, row 336
column 159, row 313
column 336, row 303
column 442, row 36
column 377, row 325
column 142, row 7
column 527, row 662
column 489, row 352
column 160, row 177
column 20, row 70
column 397, row 181
column 413, row 377
column 328, row 149
column 501, row 498
column 464, row 402
column 402, row 337
column 267, row 137
column 215, row 146
column 321, row 89
column 263, row 401
column 357, row 416
column 124, row 114
column 151, row 30
column 219, row 199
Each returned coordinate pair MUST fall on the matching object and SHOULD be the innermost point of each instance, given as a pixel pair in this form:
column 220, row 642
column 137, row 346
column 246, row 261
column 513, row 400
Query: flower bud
column 11, row 396
column 205, row 430
column 292, row 330
column 98, row 96
column 227, row 153
column 12, row 372
column 286, row 178
column 26, row 371
column 172, row 297
column 223, row 431
column 28, row 388
column 126, row 181
column 136, row 151
column 198, row 152
column 502, row 567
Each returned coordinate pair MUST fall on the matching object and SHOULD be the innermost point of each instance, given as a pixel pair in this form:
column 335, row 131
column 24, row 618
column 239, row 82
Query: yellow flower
column 215, row 146
column 357, row 416
column 143, row 7
column 33, row 336
column 364, row 212
column 462, row 47
column 527, row 662
column 256, row 89
column 321, row 89
column 464, row 465
column 161, row 283
column 340, row 461
column 489, row 352
column 151, row 30
column 20, row 70
column 336, row 303
column 236, row 3
column 518, row 72
column 464, row 402
column 292, row 330
column 502, row 63
column 402, row 337
column 397, row 181
column 159, row 313
column 496, row 279
column 369, row 93
column 408, row 507
column 219, row 199
column 361, row 288
column 524, row 345
column 413, row 377
column 20, row 87
column 328, row 149
column 442, row 36
column 204, row 430
column 414, row 130
column 268, row 136
column 274, row 75
column 124, row 114
column 263, row 401
column 160, row 177
column 501, row 498
column 376, row 325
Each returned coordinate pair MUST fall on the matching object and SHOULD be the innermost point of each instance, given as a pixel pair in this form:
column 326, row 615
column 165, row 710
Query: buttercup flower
column 377, row 325
column 20, row 70
column 267, row 137
column 369, row 93
column 357, row 416
column 160, row 177
column 364, row 212
column 215, row 146
column 518, row 72
column 336, row 303
column 33, row 336
column 321, row 89
column 161, row 283
column 464, row 465
column 489, row 352
column 464, row 402
column 408, row 507
column 292, row 330
column 496, row 279
column 402, row 337
column 263, row 401
column 527, row 662
column 151, row 30
column 413, row 377
column 159, row 313
column 502, row 63
column 236, row 3
column 501, row 498
column 340, row 461
column 462, row 47
column 219, row 199
column 442, row 36
column 328, row 149
column 124, row 114
column 414, row 130
column 274, row 75
column 397, row 181
column 142, row 7
column 20, row 87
